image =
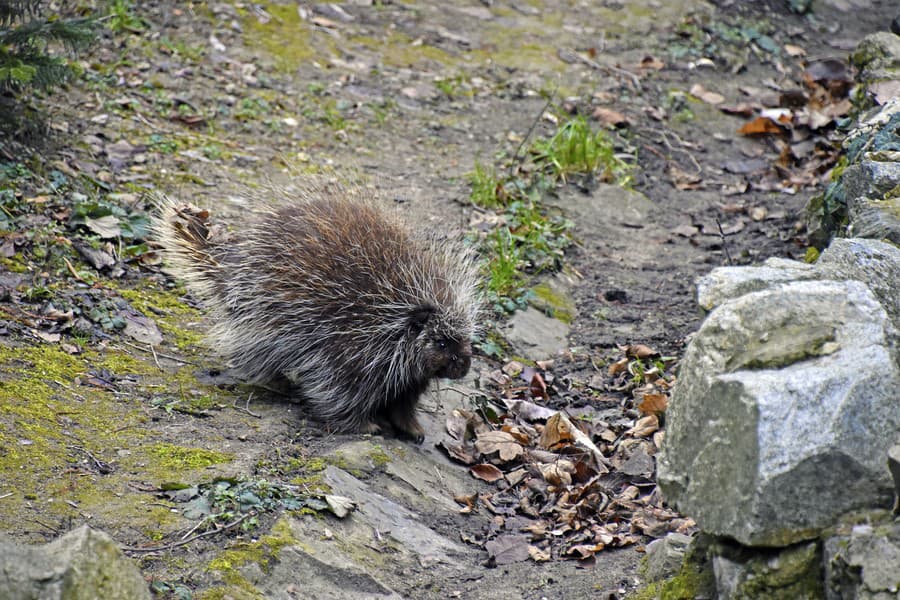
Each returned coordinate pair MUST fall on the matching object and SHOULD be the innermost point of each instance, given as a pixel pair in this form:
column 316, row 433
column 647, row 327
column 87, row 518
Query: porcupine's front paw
column 406, row 426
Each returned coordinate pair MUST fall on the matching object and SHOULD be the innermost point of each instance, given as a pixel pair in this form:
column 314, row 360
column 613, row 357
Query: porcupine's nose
column 459, row 366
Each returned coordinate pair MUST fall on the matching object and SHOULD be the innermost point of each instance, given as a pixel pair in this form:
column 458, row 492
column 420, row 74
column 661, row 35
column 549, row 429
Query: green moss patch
column 175, row 457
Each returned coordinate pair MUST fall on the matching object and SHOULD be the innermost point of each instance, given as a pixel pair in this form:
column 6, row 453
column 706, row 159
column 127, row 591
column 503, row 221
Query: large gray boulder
column 783, row 414
column 84, row 564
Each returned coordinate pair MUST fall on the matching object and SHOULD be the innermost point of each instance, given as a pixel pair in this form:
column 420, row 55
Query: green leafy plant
column 577, row 148
column 121, row 18
column 487, row 188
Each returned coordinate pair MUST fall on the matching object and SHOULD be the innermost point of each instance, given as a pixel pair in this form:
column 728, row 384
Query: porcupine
column 336, row 295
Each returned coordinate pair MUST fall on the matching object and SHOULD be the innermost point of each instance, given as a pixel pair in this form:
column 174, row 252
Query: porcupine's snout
column 458, row 362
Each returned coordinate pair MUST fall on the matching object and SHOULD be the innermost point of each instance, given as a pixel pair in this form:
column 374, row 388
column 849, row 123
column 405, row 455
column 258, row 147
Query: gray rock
column 875, row 263
column 664, row 556
column 726, row 283
column 864, row 564
column 535, row 335
column 894, row 466
column 84, row 564
column 393, row 519
column 869, row 179
column 875, row 219
column 877, row 56
column 786, row 400
column 789, row 574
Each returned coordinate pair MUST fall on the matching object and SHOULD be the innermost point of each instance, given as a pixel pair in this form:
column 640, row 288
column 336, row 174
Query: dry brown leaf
column 507, row 549
column 617, row 367
column 458, row 452
column 651, row 62
column 528, row 410
column 653, row 404
column 644, row 426
column 610, row 117
column 467, row 501
column 538, row 555
column 486, row 472
column 583, row 551
column 513, row 368
column 504, row 444
column 706, row 95
column 521, row 436
column 558, row 473
column 538, row 387
column 639, row 351
column 760, row 126
column 794, row 51
column 743, row 109
column 558, row 430
column 683, row 180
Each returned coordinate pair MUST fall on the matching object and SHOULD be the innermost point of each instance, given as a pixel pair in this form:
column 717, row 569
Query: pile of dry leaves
column 572, row 481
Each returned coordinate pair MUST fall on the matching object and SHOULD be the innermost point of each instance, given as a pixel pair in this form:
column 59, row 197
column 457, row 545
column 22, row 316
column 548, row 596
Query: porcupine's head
column 439, row 288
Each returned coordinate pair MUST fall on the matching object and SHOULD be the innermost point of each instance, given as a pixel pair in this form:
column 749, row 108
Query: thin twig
column 155, row 354
column 155, row 359
column 246, row 407
column 184, row 542
column 74, row 272
column 724, row 242
column 531, row 129
column 104, row 468
column 635, row 80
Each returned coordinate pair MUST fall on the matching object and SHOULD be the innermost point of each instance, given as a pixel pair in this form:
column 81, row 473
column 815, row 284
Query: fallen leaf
column 468, row 502
column 142, row 329
column 609, row 117
column 538, row 555
column 528, row 411
column 760, row 126
column 685, row 230
column 557, row 431
column 639, row 351
column 644, row 426
column 794, row 51
column 654, row 404
column 558, row 473
column 98, row 259
column 50, row 338
column 705, row 95
column 507, row 549
column 106, row 227
column 684, row 180
column 620, row 366
column 513, row 368
column 583, row 551
column 458, row 452
column 651, row 62
column 486, row 472
column 538, row 388
column 742, row 109
column 504, row 444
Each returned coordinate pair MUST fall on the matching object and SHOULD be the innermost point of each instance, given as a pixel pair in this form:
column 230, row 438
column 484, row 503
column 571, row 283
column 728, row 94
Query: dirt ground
column 207, row 100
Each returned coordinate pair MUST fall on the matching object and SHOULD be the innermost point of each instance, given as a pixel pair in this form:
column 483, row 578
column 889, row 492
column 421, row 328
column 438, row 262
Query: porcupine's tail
column 191, row 245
